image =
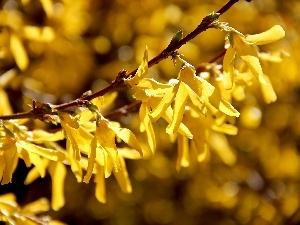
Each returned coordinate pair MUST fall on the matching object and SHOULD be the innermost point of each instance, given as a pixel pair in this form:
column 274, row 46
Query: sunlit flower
column 245, row 47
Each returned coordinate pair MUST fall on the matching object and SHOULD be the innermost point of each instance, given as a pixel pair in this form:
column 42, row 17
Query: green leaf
column 177, row 37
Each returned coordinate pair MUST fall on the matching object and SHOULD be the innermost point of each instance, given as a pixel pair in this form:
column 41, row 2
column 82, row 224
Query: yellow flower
column 246, row 48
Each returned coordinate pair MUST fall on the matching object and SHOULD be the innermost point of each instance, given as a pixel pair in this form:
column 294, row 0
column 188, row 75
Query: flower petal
column 100, row 191
column 91, row 160
column 250, row 56
column 228, row 68
column 141, row 72
column 58, row 173
column 106, row 139
column 122, row 177
column 275, row 33
column 147, row 125
column 128, row 137
column 179, row 108
column 182, row 129
column 268, row 91
column 18, row 51
column 183, row 159
column 163, row 104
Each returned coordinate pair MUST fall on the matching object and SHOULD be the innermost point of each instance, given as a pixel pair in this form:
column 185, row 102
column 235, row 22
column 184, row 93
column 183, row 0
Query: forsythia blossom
column 245, row 47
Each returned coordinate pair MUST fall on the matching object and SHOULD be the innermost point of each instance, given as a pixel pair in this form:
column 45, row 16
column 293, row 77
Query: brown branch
column 124, row 110
column 221, row 54
column 118, row 83
column 202, row 67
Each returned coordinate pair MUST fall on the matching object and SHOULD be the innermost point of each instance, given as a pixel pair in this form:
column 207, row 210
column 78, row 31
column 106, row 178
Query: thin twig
column 124, row 110
column 118, row 83
column 221, row 54
column 202, row 67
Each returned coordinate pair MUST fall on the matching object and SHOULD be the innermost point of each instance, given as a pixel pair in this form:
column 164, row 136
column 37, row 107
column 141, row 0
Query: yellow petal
column 196, row 100
column 122, row 177
column 109, row 165
column 188, row 75
column 2, row 166
column 145, row 120
column 140, row 94
column 38, row 162
column 199, row 142
column 5, row 107
column 275, row 33
column 129, row 153
column 79, row 138
column 74, row 163
column 18, row 51
column 220, row 144
column 40, row 136
column 8, row 198
column 71, row 138
column 10, row 157
column 183, row 159
column 254, row 65
column 9, row 143
column 91, row 160
column 239, row 93
column 25, row 156
column 201, row 150
column 8, row 205
column 107, row 100
column 273, row 57
column 100, row 192
column 106, row 138
column 250, row 56
column 52, row 154
column 213, row 97
column 141, row 72
column 44, row 34
column 36, row 207
column 163, row 104
column 58, row 173
column 226, row 129
column 128, row 137
column 36, row 172
column 228, row 68
column 268, row 91
column 153, row 87
column 182, row 129
column 179, row 108
column 48, row 7
column 68, row 119
column 31, row 176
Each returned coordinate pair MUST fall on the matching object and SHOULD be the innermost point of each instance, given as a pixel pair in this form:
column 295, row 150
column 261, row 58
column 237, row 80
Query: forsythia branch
column 39, row 112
